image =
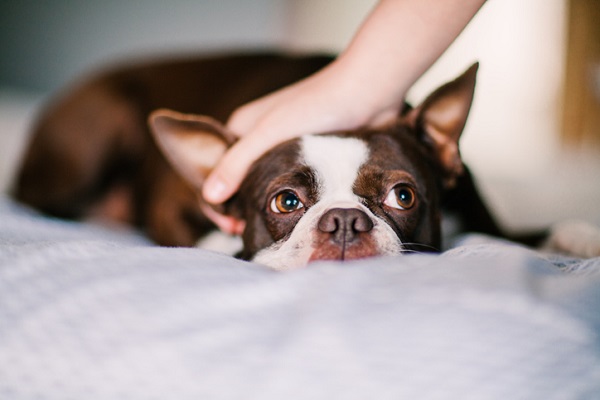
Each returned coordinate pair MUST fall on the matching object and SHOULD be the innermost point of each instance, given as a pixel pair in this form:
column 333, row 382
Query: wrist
column 364, row 87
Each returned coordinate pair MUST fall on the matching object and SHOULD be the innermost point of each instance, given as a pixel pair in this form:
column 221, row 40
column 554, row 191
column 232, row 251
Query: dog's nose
column 345, row 223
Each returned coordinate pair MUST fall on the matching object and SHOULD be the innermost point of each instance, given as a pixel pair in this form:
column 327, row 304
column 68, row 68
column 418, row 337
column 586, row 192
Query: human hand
column 326, row 101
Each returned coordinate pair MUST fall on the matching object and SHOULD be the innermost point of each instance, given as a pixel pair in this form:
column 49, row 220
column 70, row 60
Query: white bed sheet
column 97, row 313
column 88, row 312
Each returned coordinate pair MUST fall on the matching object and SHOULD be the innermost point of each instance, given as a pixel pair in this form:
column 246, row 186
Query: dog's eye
column 401, row 197
column 286, row 202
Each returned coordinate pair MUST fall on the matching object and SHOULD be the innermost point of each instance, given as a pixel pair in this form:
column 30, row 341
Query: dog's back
column 91, row 153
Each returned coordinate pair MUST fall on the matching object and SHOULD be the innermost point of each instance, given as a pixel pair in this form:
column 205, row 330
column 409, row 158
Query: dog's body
column 340, row 195
column 91, row 145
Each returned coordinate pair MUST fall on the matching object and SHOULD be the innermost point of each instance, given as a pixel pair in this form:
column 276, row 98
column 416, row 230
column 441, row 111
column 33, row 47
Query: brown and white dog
column 329, row 196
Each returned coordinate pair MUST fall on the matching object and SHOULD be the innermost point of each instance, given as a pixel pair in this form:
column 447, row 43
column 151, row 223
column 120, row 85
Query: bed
column 99, row 312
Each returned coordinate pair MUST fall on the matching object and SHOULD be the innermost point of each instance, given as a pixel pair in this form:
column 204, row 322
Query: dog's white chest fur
column 336, row 164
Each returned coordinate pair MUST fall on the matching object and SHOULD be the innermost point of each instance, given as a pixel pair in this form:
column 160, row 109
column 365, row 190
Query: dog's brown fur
column 91, row 153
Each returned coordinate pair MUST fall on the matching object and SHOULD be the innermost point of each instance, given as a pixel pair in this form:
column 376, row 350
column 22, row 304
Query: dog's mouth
column 362, row 248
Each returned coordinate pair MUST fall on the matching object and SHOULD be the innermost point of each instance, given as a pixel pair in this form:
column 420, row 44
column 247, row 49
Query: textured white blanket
column 93, row 313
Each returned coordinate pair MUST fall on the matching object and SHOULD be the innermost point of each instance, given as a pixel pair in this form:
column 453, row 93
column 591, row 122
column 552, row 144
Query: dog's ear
column 193, row 144
column 442, row 117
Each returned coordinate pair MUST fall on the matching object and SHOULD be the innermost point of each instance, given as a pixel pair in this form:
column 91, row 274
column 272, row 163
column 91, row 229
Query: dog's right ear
column 193, row 144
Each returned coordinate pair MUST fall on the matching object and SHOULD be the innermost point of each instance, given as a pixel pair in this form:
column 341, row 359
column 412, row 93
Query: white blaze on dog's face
column 337, row 225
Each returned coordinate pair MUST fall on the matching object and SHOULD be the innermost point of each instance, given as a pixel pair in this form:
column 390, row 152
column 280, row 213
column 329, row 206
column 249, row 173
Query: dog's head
column 333, row 196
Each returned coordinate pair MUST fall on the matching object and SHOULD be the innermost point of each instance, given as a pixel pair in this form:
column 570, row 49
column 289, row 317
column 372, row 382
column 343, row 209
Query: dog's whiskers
column 426, row 248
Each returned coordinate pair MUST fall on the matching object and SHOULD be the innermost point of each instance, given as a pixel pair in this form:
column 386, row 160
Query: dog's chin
column 336, row 253
column 281, row 260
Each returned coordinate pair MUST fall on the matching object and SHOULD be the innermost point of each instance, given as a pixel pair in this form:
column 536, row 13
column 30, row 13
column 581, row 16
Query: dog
column 344, row 195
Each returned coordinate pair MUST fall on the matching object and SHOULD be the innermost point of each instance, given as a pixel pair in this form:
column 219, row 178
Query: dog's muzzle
column 344, row 234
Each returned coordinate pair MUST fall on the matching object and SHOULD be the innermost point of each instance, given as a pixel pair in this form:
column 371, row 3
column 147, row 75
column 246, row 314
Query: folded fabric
column 90, row 312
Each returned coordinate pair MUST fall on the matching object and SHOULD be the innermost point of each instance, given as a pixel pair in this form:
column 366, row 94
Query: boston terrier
column 345, row 195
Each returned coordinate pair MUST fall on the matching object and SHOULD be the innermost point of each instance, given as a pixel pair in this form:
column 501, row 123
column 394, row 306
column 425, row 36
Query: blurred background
column 533, row 138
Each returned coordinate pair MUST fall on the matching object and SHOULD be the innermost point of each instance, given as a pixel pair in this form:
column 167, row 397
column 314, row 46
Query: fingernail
column 214, row 190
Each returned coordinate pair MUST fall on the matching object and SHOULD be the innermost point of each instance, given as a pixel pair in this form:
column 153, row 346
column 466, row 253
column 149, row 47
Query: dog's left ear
column 193, row 144
column 442, row 117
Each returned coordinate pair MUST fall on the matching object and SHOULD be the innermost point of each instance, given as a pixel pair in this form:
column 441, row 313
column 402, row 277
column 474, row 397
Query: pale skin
column 364, row 86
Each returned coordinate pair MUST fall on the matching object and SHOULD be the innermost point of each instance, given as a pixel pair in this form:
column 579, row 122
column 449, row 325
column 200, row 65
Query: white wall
column 514, row 125
column 512, row 137
column 324, row 25
column 44, row 44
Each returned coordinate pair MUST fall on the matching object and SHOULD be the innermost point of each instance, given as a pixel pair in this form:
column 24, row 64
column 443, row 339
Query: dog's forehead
column 282, row 160
column 335, row 161
column 344, row 157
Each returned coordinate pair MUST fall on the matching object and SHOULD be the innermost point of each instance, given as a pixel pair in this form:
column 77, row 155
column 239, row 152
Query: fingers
column 315, row 104
column 227, row 176
column 246, row 118
column 384, row 117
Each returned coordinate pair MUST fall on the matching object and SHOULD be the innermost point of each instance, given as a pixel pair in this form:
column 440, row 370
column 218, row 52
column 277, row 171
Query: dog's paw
column 576, row 238
column 221, row 242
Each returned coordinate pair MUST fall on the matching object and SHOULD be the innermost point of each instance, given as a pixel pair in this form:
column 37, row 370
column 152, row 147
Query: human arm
column 365, row 85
